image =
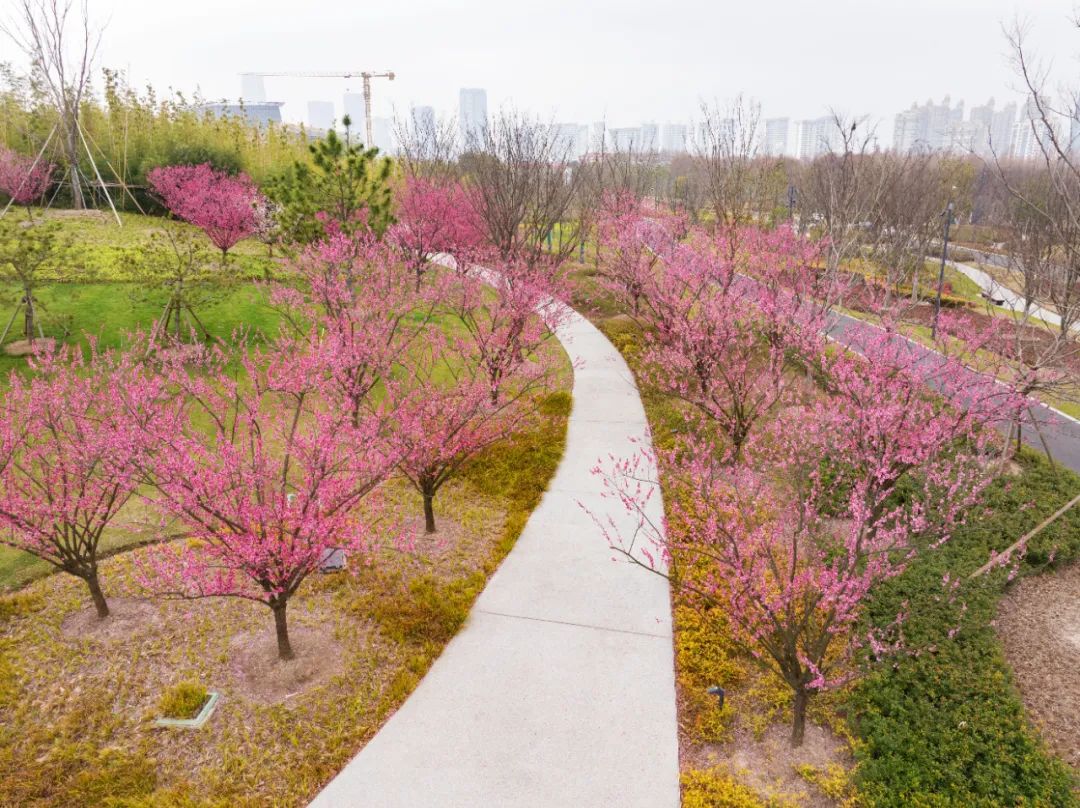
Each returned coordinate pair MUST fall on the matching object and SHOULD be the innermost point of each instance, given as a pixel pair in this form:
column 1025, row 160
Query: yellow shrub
column 716, row 789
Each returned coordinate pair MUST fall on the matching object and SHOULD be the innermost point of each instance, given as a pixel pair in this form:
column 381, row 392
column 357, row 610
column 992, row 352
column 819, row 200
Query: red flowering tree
column 267, row 472
column 226, row 208
column 446, row 415
column 433, row 218
column 727, row 324
column 23, row 179
column 788, row 543
column 358, row 312
column 508, row 313
column 73, row 439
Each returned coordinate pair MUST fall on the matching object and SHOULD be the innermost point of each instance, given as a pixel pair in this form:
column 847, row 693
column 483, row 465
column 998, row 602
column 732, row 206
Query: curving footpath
column 560, row 689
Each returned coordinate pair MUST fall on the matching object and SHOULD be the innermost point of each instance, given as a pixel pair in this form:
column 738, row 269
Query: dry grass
column 78, row 698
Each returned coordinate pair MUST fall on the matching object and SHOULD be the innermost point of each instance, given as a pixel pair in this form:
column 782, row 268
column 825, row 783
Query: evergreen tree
column 345, row 187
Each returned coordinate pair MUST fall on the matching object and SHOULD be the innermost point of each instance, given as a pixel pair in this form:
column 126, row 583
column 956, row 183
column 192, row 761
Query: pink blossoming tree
column 22, row 179
column 508, row 314
column 446, row 416
column 73, row 439
column 434, row 218
column 226, row 208
column 789, row 542
column 267, row 473
column 358, row 312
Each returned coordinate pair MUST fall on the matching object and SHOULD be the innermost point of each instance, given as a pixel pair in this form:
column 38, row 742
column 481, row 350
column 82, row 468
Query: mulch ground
column 1039, row 625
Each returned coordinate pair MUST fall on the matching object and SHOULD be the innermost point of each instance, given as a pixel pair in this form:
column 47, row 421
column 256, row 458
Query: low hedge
column 945, row 725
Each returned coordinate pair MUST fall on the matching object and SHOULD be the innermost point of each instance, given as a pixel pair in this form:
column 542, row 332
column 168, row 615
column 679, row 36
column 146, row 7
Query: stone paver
column 559, row 690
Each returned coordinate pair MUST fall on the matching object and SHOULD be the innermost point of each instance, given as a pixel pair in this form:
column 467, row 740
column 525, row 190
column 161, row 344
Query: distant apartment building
column 995, row 136
column 423, row 121
column 649, row 139
column 260, row 114
column 382, row 132
column 320, row 115
column 472, row 115
column 625, row 138
column 927, row 126
column 673, row 138
column 570, row 139
column 1030, row 134
column 777, row 136
column 598, row 136
column 818, row 136
column 252, row 88
column 354, row 108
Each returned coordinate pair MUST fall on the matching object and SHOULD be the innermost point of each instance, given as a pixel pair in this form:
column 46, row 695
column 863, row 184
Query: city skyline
column 986, row 129
column 859, row 69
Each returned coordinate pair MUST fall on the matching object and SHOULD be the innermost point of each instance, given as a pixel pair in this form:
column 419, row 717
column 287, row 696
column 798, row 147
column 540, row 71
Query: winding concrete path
column 559, row 690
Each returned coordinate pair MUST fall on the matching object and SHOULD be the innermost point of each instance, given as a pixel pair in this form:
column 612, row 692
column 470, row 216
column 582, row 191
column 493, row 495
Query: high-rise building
column 261, row 114
column 1001, row 130
column 354, row 108
column 625, row 138
column 649, row 139
column 382, row 132
column 252, row 88
column 818, row 136
column 320, row 114
column 926, row 126
column 777, row 136
column 569, row 139
column 598, row 137
column 472, row 115
column 1030, row 134
column 673, row 138
column 423, row 121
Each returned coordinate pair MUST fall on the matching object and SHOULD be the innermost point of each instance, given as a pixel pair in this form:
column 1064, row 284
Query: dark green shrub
column 945, row 725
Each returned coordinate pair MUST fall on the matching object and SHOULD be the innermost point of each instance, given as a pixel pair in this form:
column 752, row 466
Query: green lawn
column 107, row 310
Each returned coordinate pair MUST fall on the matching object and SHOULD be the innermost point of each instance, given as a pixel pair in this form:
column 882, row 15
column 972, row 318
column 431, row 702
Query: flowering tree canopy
column 267, row 473
column 434, row 218
column 224, row 207
column 23, row 179
column 73, row 441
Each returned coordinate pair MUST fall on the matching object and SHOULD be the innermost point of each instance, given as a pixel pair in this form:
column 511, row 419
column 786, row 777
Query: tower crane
column 366, row 75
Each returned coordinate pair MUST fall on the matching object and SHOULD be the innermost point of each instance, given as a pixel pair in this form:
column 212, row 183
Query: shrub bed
column 947, row 727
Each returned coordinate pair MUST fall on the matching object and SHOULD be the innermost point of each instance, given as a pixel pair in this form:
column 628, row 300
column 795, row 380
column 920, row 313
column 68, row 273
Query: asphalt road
column 1061, row 432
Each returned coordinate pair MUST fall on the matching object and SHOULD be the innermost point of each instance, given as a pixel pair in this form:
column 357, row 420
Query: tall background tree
column 61, row 51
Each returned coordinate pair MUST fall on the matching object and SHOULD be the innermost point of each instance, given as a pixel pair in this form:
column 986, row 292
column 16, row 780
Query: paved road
column 1061, row 432
column 559, row 691
column 999, row 294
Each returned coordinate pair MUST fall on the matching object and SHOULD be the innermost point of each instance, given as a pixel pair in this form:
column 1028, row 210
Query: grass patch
column 182, row 701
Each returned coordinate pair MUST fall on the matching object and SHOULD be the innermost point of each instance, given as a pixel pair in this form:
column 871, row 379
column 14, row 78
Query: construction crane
column 366, row 75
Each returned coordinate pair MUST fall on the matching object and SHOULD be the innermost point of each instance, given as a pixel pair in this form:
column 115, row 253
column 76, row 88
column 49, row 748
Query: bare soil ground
column 281, row 728
column 770, row 765
column 1039, row 625
column 23, row 347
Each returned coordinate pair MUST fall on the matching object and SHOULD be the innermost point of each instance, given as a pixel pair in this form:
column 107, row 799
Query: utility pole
column 948, row 214
column 791, row 203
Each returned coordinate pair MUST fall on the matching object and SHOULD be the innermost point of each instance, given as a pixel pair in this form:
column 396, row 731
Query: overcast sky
column 625, row 61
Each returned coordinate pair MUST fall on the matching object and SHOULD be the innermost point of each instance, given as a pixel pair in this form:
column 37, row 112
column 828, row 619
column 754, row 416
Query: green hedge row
column 946, row 727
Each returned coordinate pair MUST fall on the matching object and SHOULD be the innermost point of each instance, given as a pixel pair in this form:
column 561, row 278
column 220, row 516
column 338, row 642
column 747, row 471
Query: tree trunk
column 72, row 149
column 798, row 723
column 281, row 624
column 28, row 316
column 429, row 513
column 97, row 595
